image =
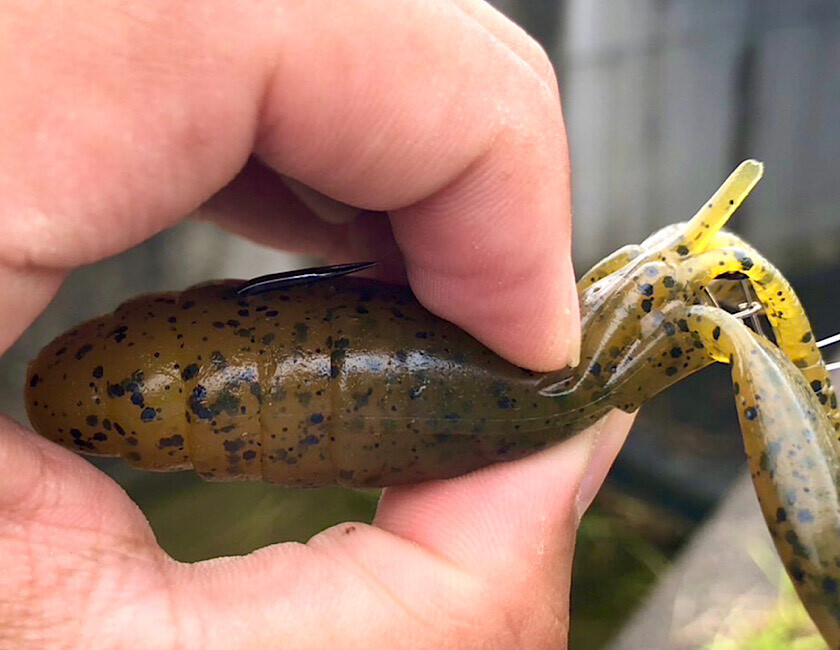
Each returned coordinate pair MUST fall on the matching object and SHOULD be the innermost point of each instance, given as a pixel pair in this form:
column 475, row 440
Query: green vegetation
column 789, row 628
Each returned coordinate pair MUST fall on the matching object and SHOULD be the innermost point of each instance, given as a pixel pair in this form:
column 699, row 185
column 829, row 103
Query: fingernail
column 607, row 436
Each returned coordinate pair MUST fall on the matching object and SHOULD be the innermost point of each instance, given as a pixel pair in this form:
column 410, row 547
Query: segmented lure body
column 343, row 381
column 347, row 381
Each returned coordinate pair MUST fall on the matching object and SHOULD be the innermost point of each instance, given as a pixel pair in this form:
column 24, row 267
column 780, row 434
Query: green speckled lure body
column 349, row 381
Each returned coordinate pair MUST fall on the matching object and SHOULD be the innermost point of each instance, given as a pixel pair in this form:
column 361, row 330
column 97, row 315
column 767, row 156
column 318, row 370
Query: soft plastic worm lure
column 310, row 378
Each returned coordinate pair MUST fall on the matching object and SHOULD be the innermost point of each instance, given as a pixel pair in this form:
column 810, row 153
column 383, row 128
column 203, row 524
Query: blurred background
column 662, row 99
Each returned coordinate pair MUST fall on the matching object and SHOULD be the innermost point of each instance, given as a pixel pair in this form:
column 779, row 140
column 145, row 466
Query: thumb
column 516, row 519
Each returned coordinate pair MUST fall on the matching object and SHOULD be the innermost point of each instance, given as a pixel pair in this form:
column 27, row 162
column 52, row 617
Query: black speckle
column 75, row 433
column 268, row 339
column 421, row 335
column 646, row 289
column 676, row 352
column 362, row 399
column 244, row 313
column 100, row 436
column 301, row 332
column 670, row 371
column 595, row 369
column 98, row 372
column 249, row 455
column 682, row 324
column 176, row 440
column 115, row 390
column 504, row 402
column 316, row 418
column 92, row 420
column 668, row 281
column 119, row 333
column 796, row 572
column 716, row 333
column 669, row 328
column 197, row 403
column 799, row 549
column 148, row 414
column 751, row 413
column 829, row 585
column 190, row 372
column 82, row 351
column 682, row 249
column 337, row 358
column 219, row 325
column 232, row 446
column 34, row 381
column 781, row 515
column 806, row 338
column 188, row 305
column 172, row 320
column 816, row 385
column 647, row 303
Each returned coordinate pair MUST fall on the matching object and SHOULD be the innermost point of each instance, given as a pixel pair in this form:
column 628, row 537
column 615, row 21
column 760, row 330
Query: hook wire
column 753, row 309
column 826, row 342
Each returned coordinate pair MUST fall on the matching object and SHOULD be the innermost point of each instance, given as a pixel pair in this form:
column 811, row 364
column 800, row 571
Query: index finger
column 442, row 114
column 459, row 136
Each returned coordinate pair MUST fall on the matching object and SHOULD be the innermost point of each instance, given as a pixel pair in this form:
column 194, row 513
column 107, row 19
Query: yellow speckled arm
column 794, row 460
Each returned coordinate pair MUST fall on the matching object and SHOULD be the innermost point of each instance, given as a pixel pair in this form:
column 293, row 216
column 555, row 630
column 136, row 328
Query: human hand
column 117, row 120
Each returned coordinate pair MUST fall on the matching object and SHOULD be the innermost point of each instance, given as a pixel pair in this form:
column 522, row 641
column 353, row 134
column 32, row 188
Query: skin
column 441, row 122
